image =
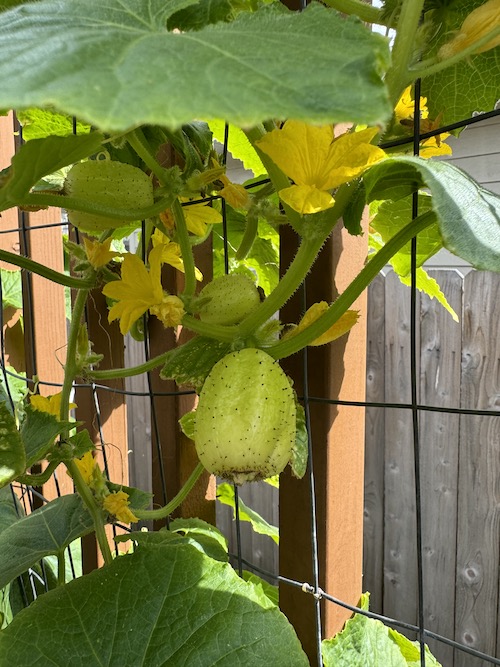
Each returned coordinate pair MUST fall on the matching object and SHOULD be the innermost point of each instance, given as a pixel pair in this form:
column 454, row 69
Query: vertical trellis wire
column 414, row 407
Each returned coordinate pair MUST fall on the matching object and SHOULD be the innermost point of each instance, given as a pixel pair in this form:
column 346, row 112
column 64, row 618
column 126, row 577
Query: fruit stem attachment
column 115, row 373
column 186, row 250
column 138, row 142
column 163, row 512
column 249, row 235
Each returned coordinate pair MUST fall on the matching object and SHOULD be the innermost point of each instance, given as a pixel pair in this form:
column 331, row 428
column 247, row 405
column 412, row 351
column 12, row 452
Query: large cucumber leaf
column 467, row 214
column 116, row 65
column 165, row 604
column 46, row 531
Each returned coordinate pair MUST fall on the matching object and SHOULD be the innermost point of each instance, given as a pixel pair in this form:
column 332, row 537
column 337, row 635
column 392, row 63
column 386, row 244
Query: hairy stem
column 186, row 250
column 115, row 373
column 163, row 512
column 44, row 271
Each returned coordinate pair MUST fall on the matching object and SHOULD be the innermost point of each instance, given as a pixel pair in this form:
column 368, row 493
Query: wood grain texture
column 476, row 617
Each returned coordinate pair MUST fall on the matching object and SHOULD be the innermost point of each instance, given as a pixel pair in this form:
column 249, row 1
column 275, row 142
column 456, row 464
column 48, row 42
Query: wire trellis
column 30, row 498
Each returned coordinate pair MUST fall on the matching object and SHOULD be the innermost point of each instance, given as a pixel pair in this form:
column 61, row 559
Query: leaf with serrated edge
column 225, row 495
column 46, row 531
column 116, row 66
column 12, row 455
column 164, row 604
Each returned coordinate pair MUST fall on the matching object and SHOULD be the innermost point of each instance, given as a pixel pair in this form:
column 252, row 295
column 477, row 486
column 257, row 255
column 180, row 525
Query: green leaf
column 392, row 216
column 138, row 498
column 188, row 424
column 187, row 609
column 40, row 157
column 38, row 432
column 471, row 85
column 41, row 123
column 12, row 456
column 262, row 65
column 238, row 145
column 468, row 215
column 300, row 451
column 411, row 650
column 268, row 589
column 17, row 388
column 12, row 290
column 225, row 495
column 45, row 531
column 214, row 541
column 424, row 283
column 10, row 508
column 204, row 12
column 192, row 362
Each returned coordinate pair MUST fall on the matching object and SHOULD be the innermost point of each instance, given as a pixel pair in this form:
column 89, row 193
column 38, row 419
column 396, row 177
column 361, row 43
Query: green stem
column 41, row 200
column 295, row 343
column 317, row 233
column 42, row 478
column 140, row 145
column 70, row 372
column 186, row 250
column 398, row 76
column 217, row 331
column 249, row 235
column 360, row 9
column 61, row 568
column 44, row 271
column 115, row 373
column 164, row 511
column 429, row 67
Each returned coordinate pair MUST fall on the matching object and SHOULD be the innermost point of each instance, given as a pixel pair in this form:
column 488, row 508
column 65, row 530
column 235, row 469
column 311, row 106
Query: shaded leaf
column 300, row 451
column 45, row 531
column 38, row 432
column 187, row 610
column 192, row 362
column 262, row 65
column 12, row 455
column 225, row 495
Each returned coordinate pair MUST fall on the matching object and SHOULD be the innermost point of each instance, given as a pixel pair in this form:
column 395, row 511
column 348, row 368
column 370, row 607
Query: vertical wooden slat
column 335, row 371
column 400, row 565
column 479, row 487
column 440, row 355
column 373, row 545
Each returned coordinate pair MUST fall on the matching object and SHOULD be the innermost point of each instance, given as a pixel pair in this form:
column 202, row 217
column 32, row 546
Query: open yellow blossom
column 235, row 194
column 99, row 254
column 171, row 253
column 197, row 216
column 404, row 116
column 479, row 23
column 86, row 465
column 117, row 504
column 317, row 161
column 140, row 290
column 49, row 404
column 341, row 326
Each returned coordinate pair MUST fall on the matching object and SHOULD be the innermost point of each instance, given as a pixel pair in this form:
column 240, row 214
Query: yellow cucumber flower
column 235, row 194
column 171, row 253
column 86, row 465
column 404, row 114
column 140, row 290
column 99, row 254
column 341, row 326
column 49, row 404
column 317, row 161
column 197, row 216
column 117, row 504
column 483, row 20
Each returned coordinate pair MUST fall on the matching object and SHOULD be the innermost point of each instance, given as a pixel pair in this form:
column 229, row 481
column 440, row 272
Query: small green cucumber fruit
column 113, row 184
column 245, row 421
column 228, row 299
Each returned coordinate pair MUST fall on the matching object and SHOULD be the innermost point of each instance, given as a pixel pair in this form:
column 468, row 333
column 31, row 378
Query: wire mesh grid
column 30, row 498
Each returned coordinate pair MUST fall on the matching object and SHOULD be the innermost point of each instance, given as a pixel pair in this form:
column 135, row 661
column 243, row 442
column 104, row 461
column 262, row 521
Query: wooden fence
column 458, row 367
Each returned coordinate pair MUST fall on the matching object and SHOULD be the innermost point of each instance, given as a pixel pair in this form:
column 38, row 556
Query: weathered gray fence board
column 440, row 353
column 399, row 534
column 459, row 366
column 375, row 433
column 479, row 482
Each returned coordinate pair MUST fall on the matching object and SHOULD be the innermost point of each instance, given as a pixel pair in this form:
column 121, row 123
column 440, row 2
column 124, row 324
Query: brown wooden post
column 178, row 456
column 336, row 371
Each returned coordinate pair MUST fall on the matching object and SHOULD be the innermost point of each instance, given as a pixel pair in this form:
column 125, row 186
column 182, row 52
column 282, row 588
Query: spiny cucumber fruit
column 245, row 421
column 114, row 184
column 228, row 299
